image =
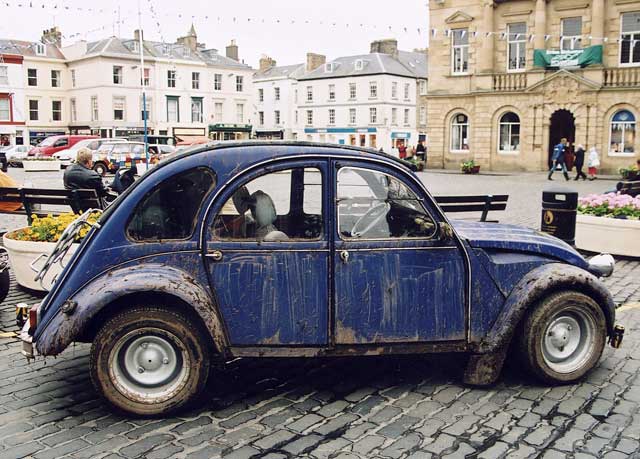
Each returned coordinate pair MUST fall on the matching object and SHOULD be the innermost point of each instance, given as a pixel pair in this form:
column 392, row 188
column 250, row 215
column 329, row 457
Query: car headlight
column 602, row 264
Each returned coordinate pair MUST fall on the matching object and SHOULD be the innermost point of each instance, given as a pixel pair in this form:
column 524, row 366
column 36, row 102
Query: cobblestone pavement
column 395, row 407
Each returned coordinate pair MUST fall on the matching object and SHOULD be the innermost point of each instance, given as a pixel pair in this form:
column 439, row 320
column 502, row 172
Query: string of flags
column 462, row 33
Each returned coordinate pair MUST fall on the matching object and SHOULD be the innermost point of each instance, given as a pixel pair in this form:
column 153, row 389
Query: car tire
column 100, row 168
column 5, row 284
column 150, row 360
column 562, row 337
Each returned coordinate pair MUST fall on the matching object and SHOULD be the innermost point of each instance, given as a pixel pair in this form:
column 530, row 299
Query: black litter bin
column 559, row 209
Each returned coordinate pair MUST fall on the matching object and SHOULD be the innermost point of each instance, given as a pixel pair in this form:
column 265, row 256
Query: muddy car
column 299, row 249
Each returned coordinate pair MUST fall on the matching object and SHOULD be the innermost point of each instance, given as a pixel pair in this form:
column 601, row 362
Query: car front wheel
column 563, row 337
column 100, row 168
column 150, row 360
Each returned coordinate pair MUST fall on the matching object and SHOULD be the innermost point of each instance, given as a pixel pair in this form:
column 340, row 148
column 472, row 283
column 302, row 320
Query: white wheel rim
column 569, row 340
column 149, row 365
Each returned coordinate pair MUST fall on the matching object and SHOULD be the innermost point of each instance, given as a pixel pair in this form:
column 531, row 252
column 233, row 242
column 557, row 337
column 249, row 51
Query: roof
column 404, row 63
column 284, row 71
column 28, row 49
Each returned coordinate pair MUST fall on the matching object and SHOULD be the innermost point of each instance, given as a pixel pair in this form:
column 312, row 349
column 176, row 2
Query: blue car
column 300, row 250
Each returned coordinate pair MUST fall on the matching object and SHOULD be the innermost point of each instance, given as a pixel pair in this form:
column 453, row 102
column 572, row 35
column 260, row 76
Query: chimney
column 387, row 46
column 52, row 36
column 190, row 40
column 137, row 33
column 232, row 51
column 266, row 63
column 314, row 61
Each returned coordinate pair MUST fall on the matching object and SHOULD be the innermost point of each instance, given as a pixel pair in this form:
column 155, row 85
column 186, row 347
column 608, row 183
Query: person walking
column 593, row 163
column 402, row 150
column 421, row 151
column 579, row 162
column 557, row 159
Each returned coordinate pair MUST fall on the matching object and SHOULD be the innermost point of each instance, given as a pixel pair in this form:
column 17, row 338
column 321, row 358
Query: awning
column 192, row 140
column 230, row 127
column 400, row 135
column 563, row 59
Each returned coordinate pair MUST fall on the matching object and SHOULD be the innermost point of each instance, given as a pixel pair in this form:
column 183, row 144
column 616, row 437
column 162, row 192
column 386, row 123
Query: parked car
column 111, row 155
column 55, row 143
column 154, row 141
column 298, row 249
column 68, row 155
column 14, row 154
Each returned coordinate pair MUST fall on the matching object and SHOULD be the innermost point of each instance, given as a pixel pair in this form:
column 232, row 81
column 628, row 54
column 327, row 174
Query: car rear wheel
column 100, row 168
column 563, row 337
column 150, row 360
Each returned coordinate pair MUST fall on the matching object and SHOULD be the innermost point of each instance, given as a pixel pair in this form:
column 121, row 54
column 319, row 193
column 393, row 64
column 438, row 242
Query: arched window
column 622, row 135
column 509, row 140
column 459, row 132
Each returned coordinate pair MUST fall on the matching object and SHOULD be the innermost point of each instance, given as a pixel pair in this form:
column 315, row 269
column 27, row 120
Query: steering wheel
column 376, row 213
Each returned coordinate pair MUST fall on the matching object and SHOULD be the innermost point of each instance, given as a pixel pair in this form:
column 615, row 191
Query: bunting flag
column 531, row 38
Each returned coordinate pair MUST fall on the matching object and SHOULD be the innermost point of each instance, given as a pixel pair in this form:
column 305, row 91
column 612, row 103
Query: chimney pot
column 386, row 46
column 314, row 61
column 232, row 51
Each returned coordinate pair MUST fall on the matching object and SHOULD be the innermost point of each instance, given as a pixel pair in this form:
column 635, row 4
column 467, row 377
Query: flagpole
column 144, row 94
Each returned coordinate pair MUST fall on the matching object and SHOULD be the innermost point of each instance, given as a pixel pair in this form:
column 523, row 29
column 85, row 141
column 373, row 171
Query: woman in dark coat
column 579, row 162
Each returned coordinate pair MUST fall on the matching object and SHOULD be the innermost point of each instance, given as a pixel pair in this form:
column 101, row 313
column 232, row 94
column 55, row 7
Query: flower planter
column 22, row 254
column 631, row 176
column 611, row 235
column 41, row 166
column 471, row 170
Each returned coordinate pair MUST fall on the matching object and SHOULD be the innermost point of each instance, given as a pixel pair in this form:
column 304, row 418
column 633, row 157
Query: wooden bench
column 630, row 188
column 33, row 198
column 479, row 203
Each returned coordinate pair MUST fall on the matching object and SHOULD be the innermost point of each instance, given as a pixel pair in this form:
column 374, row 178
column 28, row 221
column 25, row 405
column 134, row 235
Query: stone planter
column 22, row 254
column 608, row 235
column 471, row 170
column 41, row 166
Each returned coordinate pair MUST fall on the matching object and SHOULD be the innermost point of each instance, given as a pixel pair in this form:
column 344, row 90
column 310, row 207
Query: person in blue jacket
column 558, row 159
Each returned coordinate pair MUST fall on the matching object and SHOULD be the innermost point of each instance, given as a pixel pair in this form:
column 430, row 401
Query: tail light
column 33, row 318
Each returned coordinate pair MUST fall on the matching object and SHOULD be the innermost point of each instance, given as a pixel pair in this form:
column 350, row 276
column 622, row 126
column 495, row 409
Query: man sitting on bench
column 80, row 176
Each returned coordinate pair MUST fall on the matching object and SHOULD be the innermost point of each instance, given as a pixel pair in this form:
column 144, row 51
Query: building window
column 218, row 111
column 571, row 34
column 373, row 115
column 630, row 39
column 459, row 132
column 622, row 135
column 309, row 94
column 295, row 96
column 217, row 82
column 352, row 116
column 118, row 108
column 33, row 110
column 55, row 78
column 276, row 93
column 406, row 116
column 352, row 91
column 4, row 75
column 173, row 109
column 394, row 90
column 423, row 87
column 73, row 78
column 5, row 110
column 423, row 116
column 135, row 46
column 517, row 46
column 295, row 114
column 276, row 117
column 332, row 92
column 359, row 64
column 261, row 118
column 196, row 110
column 373, row 89
column 394, row 116
column 509, row 141
column 309, row 117
column 74, row 112
column 146, row 77
column 41, row 50
column 94, row 108
column 407, row 91
column 261, row 95
column 171, row 78
column 460, row 51
column 56, row 110
column 240, row 113
column 145, row 103
column 117, row 74
column 195, row 80
column 239, row 83
column 332, row 116
column 32, row 77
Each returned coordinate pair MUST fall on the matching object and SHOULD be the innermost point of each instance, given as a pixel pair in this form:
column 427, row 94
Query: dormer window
column 135, row 47
column 40, row 49
column 328, row 67
column 359, row 64
column 165, row 49
column 187, row 52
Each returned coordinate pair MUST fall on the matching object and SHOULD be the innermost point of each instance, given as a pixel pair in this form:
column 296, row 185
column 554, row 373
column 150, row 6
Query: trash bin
column 559, row 209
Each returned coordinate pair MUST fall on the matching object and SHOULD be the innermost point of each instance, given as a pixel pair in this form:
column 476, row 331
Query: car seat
column 264, row 213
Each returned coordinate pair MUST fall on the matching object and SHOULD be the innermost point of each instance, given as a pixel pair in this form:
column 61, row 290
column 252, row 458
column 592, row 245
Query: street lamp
column 144, row 94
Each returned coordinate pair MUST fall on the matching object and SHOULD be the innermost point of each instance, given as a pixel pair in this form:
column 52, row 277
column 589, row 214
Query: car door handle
column 344, row 255
column 216, row 255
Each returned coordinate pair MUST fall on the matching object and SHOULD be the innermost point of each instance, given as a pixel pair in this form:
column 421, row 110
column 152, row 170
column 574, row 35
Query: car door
column 268, row 254
column 397, row 278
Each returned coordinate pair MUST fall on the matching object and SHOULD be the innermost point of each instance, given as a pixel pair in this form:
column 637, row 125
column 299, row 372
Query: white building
column 367, row 100
column 12, row 101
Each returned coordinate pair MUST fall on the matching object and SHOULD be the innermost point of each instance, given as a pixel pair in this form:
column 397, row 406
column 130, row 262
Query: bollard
column 559, row 209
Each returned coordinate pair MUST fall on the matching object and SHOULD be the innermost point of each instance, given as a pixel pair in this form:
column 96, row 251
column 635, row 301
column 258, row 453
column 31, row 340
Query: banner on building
column 564, row 59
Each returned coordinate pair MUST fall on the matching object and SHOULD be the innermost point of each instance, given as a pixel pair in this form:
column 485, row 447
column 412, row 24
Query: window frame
column 56, row 78
column 58, row 111
column 9, row 117
column 353, row 116
column 175, row 99
column 373, row 90
column 353, row 91
column 309, row 94
column 95, row 113
column 195, row 102
column 195, row 80
column 622, row 154
column 239, row 83
column 373, row 115
column 309, row 118
column 571, row 39
column 171, row 78
column 34, row 78
column 124, row 107
column 464, row 50
column 332, row 92
column 217, row 81
column 631, row 34
column 277, row 120
column 37, row 110
column 117, row 75
column 510, row 124
column 332, row 116
column 4, row 79
column 276, row 93
column 521, row 47
column 454, row 123
column 240, row 112
column 260, row 95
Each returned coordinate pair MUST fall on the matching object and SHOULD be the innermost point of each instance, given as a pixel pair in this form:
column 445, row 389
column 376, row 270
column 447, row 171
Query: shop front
column 270, row 134
column 223, row 131
column 35, row 137
column 362, row 137
column 399, row 139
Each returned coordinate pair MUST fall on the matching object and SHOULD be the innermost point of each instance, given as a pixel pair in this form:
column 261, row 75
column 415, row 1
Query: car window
column 93, row 145
column 374, row 205
column 275, row 207
column 61, row 142
column 138, row 149
column 121, row 149
column 169, row 211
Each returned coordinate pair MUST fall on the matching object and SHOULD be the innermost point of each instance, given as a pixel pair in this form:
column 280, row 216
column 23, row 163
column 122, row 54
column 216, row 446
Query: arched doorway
column 562, row 125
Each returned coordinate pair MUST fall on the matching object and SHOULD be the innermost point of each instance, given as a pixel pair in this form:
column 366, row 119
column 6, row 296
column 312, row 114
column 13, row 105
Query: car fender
column 534, row 286
column 82, row 307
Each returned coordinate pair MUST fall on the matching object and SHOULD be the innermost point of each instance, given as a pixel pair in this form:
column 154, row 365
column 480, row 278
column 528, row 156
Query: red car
column 55, row 143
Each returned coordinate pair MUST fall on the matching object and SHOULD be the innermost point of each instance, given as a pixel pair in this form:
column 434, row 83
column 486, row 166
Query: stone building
column 508, row 79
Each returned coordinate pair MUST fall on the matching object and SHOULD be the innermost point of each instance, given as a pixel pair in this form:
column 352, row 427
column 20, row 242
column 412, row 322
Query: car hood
column 517, row 239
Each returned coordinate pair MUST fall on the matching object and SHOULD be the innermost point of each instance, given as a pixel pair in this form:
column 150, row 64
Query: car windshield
column 48, row 142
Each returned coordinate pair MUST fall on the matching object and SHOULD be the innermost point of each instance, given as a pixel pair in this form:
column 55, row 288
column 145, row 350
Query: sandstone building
column 508, row 79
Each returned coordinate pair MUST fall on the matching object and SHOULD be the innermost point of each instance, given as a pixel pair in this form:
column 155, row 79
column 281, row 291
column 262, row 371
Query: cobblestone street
column 399, row 407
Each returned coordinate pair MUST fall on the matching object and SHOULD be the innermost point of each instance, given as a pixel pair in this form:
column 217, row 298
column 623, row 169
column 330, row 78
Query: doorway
column 562, row 125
